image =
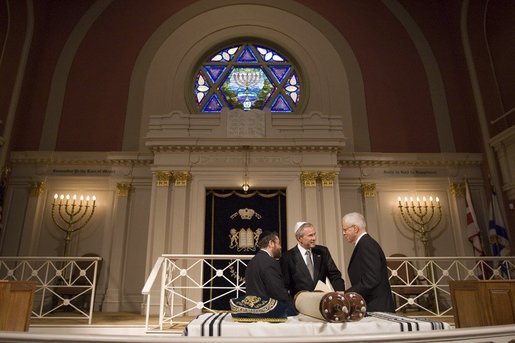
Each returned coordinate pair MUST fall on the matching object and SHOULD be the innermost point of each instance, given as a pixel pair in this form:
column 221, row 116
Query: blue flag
column 497, row 234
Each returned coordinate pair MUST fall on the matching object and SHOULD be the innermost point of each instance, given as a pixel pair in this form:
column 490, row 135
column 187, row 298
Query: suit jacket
column 263, row 277
column 369, row 275
column 296, row 274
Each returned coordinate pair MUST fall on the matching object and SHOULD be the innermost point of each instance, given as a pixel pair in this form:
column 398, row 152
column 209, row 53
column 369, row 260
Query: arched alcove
column 159, row 83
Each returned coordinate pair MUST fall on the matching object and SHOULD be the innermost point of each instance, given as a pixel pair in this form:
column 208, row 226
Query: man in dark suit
column 367, row 267
column 263, row 275
column 307, row 263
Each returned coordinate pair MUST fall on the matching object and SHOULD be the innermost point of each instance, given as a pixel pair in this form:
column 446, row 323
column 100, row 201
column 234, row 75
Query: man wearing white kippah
column 307, row 263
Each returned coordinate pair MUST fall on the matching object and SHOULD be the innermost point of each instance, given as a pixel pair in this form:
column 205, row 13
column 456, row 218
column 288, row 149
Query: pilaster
column 121, row 206
column 34, row 212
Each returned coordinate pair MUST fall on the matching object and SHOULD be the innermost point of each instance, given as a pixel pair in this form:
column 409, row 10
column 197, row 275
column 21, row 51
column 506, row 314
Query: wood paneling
column 16, row 304
column 483, row 303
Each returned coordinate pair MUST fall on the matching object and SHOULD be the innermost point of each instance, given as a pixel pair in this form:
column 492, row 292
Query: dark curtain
column 234, row 222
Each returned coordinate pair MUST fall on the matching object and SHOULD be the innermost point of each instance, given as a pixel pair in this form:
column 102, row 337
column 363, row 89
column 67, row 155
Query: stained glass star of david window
column 247, row 76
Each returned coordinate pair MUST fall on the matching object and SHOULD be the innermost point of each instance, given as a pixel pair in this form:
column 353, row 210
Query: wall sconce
column 73, row 214
column 420, row 217
column 246, row 185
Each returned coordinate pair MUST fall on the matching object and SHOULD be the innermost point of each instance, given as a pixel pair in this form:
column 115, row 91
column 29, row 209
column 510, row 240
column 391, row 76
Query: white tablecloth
column 221, row 324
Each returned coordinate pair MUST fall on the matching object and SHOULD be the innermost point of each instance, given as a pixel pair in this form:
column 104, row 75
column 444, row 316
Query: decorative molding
column 226, row 160
column 309, row 179
column 82, row 158
column 163, row 178
column 327, row 178
column 37, row 188
column 368, row 190
column 367, row 160
column 181, row 178
column 457, row 189
column 264, row 146
column 123, row 188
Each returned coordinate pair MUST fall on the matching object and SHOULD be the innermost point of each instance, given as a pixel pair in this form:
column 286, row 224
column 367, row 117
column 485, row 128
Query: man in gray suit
column 307, row 263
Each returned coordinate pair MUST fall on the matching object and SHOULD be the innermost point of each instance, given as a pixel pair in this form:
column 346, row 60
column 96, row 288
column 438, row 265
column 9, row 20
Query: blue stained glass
column 270, row 55
column 214, row 72
column 247, row 56
column 247, row 76
column 213, row 105
column 225, row 55
column 201, row 88
column 292, row 88
column 280, row 105
column 280, row 72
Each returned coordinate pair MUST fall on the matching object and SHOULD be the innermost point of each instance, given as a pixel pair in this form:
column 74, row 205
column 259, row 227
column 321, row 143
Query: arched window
column 247, row 76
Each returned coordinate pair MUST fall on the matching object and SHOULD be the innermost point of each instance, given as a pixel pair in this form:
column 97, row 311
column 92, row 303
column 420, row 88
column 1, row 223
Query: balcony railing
column 65, row 286
column 192, row 284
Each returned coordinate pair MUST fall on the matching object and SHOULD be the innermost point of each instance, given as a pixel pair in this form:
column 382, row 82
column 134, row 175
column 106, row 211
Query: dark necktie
column 309, row 263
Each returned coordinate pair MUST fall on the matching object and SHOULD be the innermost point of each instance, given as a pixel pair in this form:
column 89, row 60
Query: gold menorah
column 419, row 216
column 73, row 214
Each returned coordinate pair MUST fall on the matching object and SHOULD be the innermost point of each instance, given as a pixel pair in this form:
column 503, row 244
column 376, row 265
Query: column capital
column 327, row 178
column 181, row 178
column 163, row 178
column 457, row 189
column 37, row 188
column 309, row 178
column 123, row 188
column 368, row 190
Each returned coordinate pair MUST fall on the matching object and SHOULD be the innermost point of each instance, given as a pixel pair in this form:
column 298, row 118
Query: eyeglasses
column 345, row 229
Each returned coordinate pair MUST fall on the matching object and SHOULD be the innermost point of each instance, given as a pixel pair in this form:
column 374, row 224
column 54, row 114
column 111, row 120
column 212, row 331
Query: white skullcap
column 298, row 225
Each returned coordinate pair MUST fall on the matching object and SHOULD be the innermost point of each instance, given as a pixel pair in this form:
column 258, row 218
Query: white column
column 331, row 217
column 157, row 237
column 31, row 230
column 113, row 294
column 179, row 210
column 371, row 207
column 308, row 178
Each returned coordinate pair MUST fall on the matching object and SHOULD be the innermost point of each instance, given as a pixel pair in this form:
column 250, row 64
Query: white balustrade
column 187, row 282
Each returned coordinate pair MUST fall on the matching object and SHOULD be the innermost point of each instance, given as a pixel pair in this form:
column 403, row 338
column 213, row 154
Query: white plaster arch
column 164, row 66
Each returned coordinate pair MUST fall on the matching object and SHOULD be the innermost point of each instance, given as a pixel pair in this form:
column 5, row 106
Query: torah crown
column 246, row 213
